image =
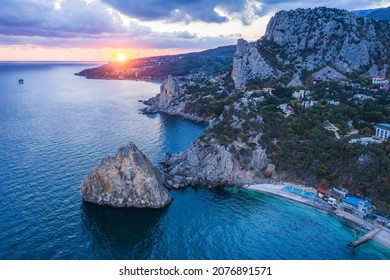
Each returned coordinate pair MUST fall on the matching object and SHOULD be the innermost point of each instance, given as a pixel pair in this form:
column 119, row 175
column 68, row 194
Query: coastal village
column 379, row 88
column 338, row 201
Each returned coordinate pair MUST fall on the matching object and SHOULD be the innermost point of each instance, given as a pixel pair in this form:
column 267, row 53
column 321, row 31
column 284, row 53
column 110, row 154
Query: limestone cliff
column 303, row 41
column 196, row 97
column 230, row 152
column 248, row 64
column 168, row 101
column 170, row 90
column 126, row 180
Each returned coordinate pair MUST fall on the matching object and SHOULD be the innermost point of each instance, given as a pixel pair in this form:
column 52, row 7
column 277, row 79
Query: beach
column 278, row 189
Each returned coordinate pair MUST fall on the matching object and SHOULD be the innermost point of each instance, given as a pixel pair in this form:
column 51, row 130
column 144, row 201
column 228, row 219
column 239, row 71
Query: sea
column 56, row 126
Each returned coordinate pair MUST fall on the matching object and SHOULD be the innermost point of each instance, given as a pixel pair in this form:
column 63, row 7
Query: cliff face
column 308, row 40
column 249, row 64
column 169, row 90
column 172, row 100
column 168, row 100
column 195, row 97
column 126, row 180
column 223, row 156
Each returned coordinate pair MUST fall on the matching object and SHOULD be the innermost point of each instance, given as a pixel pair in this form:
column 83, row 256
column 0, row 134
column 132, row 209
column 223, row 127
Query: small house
column 286, row 109
column 362, row 97
column 355, row 86
column 338, row 194
column 268, row 90
column 21, row 82
column 333, row 102
column 322, row 192
column 317, row 81
column 357, row 206
column 309, row 104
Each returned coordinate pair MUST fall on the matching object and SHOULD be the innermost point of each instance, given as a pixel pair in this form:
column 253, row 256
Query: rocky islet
column 126, row 180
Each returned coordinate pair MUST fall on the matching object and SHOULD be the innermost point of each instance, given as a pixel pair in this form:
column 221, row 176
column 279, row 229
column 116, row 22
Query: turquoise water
column 56, row 126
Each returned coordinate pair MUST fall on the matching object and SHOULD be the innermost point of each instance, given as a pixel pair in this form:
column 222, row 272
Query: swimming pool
column 301, row 192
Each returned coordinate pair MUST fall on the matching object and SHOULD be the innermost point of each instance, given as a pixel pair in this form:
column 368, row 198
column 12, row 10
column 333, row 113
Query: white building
column 382, row 131
column 333, row 102
column 379, row 81
column 286, row 109
column 301, row 94
column 362, row 97
column 309, row 104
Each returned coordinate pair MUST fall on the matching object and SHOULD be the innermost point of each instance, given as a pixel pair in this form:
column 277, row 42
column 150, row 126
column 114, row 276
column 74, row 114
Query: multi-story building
column 382, row 131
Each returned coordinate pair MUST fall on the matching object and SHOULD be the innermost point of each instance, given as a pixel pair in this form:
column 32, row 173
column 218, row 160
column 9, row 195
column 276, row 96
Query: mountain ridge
column 303, row 41
column 377, row 14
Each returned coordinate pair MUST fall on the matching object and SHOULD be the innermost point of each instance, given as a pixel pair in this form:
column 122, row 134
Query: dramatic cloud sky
column 99, row 29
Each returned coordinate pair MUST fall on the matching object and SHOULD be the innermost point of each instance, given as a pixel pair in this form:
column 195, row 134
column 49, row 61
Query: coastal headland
column 289, row 109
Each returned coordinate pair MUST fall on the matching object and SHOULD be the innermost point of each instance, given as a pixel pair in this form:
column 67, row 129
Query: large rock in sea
column 127, row 180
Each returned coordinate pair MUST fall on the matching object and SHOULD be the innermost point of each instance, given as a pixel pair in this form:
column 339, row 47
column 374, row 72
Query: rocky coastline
column 223, row 155
column 153, row 107
column 232, row 102
column 232, row 150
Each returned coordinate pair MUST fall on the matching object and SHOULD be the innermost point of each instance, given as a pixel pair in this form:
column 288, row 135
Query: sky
column 103, row 30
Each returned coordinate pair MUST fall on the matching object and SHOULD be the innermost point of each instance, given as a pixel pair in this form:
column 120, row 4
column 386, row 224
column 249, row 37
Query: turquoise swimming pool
column 301, row 192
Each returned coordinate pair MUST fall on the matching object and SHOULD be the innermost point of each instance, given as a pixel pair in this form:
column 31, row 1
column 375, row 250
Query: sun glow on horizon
column 121, row 57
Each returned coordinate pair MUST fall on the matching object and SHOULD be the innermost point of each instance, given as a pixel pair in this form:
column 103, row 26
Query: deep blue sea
column 56, row 126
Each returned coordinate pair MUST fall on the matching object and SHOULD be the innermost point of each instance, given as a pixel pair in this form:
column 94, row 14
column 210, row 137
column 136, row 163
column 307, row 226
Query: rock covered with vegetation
column 196, row 97
column 229, row 153
column 126, row 180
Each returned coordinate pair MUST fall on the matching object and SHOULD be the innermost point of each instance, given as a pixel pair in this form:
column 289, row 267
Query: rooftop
column 387, row 125
column 355, row 201
column 322, row 190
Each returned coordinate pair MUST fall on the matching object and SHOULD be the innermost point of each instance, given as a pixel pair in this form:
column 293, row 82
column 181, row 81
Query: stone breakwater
column 127, row 180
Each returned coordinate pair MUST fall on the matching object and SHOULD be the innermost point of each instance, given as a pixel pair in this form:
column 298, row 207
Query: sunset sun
column 121, row 57
column 240, row 137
